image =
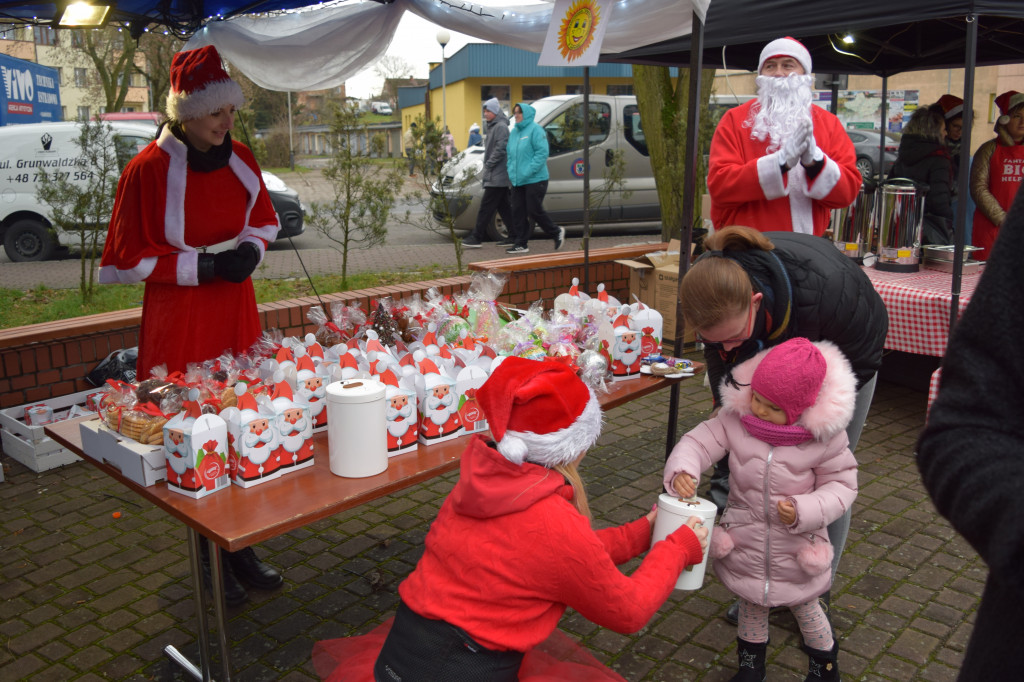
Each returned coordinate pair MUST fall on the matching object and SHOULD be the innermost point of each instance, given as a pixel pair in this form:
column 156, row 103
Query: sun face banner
column 575, row 33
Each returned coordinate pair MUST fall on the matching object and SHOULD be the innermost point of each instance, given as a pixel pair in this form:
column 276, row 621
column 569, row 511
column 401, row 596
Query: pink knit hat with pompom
column 790, row 376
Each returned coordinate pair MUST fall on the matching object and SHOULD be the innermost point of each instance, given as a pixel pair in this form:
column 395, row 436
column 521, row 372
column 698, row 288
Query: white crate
column 13, row 418
column 40, row 456
column 144, row 464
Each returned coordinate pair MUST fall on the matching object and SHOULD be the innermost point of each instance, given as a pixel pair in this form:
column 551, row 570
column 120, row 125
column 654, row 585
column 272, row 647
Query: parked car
column 614, row 127
column 25, row 228
column 866, row 143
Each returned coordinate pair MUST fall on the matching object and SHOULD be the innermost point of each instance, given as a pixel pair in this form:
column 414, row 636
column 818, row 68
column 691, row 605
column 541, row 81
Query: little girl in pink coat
column 782, row 424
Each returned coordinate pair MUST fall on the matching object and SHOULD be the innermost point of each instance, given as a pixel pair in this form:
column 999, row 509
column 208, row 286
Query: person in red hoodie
column 512, row 548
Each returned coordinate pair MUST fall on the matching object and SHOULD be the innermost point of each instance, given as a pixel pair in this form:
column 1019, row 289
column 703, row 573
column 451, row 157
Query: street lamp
column 443, row 37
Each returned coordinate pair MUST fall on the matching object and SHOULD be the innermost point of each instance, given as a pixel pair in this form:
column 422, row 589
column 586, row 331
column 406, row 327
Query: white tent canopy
column 316, row 48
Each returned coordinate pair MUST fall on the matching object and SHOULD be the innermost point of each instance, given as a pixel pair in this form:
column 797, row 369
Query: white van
column 25, row 149
column 615, row 127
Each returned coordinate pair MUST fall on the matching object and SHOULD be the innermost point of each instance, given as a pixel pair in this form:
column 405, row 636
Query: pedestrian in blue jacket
column 528, row 173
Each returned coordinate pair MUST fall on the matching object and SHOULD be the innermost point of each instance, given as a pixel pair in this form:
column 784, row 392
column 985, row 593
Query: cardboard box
column 144, row 464
column 654, row 280
column 198, row 466
column 28, row 444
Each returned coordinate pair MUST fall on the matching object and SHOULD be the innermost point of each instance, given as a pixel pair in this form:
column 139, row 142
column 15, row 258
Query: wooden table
column 237, row 517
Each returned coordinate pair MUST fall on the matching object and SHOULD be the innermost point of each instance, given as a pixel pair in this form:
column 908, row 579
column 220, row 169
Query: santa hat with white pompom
column 539, row 411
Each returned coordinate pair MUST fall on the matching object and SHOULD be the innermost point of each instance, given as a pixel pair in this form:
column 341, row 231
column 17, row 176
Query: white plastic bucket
column 357, row 428
column 673, row 513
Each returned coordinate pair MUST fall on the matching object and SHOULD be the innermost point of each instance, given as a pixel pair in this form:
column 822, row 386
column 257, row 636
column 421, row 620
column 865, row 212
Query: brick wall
column 52, row 359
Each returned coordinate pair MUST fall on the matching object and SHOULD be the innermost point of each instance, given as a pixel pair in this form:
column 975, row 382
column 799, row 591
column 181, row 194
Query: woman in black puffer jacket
column 754, row 290
column 924, row 158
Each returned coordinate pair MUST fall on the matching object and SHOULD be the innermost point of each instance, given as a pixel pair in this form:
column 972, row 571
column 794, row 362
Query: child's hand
column 685, row 485
column 787, row 512
column 697, row 524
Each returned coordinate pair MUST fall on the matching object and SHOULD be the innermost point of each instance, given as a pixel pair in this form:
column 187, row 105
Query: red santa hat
column 602, row 295
column 284, row 354
column 620, row 325
column 313, row 347
column 305, row 367
column 574, row 290
column 785, row 47
column 951, row 105
column 190, row 411
column 1007, row 102
column 248, row 409
column 199, row 85
column 790, row 376
column 373, row 342
column 391, row 386
column 539, row 411
column 430, row 338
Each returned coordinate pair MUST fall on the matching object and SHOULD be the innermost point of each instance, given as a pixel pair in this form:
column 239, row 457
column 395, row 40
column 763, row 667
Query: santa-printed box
column 437, row 403
column 294, row 428
column 196, row 447
column 467, row 382
column 651, row 326
column 311, row 391
column 625, row 348
column 252, row 440
column 400, row 413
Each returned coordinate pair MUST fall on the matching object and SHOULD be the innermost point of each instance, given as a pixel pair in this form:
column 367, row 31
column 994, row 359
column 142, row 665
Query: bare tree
column 391, row 68
column 159, row 50
column 112, row 54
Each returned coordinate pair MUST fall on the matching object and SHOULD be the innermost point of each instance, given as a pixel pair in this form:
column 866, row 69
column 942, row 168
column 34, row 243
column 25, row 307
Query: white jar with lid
column 673, row 513
column 357, row 428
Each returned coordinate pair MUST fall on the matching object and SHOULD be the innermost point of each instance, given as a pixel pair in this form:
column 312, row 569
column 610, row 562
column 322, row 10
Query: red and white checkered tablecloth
column 918, row 305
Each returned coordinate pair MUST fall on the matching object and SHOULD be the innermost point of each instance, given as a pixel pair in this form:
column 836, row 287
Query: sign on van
column 30, row 94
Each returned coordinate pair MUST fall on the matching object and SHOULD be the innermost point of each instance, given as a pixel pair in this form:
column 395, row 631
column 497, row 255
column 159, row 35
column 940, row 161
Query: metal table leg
column 219, row 612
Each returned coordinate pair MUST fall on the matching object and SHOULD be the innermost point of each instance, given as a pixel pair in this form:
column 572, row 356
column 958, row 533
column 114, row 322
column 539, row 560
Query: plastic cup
column 673, row 513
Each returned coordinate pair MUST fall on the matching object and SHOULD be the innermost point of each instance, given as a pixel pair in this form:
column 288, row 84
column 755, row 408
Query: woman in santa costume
column 192, row 188
column 512, row 548
column 996, row 172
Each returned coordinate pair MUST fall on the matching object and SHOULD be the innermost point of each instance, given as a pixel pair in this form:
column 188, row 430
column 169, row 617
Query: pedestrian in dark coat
column 971, row 452
column 497, row 187
column 924, row 158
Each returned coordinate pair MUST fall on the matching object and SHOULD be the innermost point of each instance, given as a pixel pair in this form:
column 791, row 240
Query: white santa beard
column 254, row 454
column 178, row 457
column 390, row 413
column 288, row 428
column 627, row 353
column 398, row 429
column 782, row 105
column 439, row 409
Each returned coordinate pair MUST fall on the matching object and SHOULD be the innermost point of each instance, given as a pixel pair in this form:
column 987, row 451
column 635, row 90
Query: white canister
column 357, row 428
column 673, row 513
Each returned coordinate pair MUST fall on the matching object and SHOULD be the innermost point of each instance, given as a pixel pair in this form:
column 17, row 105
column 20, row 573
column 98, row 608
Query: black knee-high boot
column 822, row 666
column 752, row 661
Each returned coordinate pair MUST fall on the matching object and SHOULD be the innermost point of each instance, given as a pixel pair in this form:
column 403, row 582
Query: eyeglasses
column 749, row 329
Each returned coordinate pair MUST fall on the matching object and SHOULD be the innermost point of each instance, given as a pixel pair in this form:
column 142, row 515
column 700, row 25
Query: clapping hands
column 801, row 147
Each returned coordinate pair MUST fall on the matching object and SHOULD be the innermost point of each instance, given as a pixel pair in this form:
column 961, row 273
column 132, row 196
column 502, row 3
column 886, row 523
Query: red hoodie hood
column 490, row 485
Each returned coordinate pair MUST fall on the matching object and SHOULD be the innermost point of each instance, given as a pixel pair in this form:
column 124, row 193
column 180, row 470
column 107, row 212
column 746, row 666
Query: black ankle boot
column 234, row 593
column 252, row 571
column 752, row 661
column 822, row 666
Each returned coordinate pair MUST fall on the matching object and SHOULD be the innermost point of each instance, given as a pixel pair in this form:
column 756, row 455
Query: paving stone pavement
column 84, row 596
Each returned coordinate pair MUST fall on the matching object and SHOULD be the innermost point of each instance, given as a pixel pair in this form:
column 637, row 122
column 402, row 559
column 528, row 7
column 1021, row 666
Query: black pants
column 495, row 200
column 528, row 203
column 419, row 649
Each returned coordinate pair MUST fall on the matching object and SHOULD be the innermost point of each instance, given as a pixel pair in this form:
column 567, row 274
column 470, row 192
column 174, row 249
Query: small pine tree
column 364, row 190
column 81, row 199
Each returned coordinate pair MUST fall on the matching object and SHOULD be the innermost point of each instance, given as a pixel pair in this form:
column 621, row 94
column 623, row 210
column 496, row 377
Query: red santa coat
column 164, row 212
column 747, row 185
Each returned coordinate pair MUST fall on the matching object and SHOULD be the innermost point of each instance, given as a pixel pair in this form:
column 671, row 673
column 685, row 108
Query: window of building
column 77, row 39
column 9, row 32
column 502, row 92
column 634, row 131
column 81, row 77
column 83, row 113
column 532, row 93
column 60, row 75
column 620, row 89
column 565, row 132
column 574, row 89
column 44, row 35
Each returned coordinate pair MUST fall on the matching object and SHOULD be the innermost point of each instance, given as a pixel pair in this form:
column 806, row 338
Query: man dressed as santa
column 777, row 162
column 440, row 413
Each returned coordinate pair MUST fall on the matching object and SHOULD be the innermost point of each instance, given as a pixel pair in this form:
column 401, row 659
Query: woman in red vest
column 996, row 172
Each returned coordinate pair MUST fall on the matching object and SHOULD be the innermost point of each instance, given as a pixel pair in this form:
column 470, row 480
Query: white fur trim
column 825, row 181
column 177, row 174
column 188, row 269
column 182, row 106
column 769, row 176
column 801, row 212
column 558, row 447
column 789, row 48
column 829, row 414
column 112, row 275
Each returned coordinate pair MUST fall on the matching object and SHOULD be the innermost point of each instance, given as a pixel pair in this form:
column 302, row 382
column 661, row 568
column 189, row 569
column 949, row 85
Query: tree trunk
column 663, row 112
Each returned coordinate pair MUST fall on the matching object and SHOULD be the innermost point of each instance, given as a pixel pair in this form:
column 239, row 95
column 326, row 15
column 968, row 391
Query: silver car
column 614, row 128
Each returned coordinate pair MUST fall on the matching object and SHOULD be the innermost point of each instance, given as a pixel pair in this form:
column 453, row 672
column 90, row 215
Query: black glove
column 236, row 265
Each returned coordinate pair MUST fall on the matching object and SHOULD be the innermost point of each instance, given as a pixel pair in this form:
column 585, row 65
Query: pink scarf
column 775, row 434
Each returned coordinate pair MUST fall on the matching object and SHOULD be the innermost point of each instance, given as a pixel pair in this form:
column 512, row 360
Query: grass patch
column 42, row 304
